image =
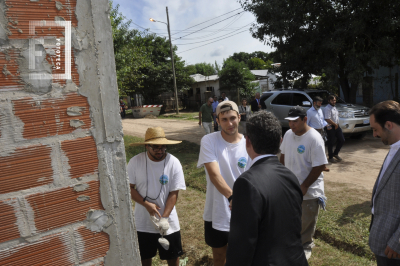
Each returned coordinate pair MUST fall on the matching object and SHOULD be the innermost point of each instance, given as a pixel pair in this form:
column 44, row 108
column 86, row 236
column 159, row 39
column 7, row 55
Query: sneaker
column 337, row 158
column 307, row 252
column 331, row 160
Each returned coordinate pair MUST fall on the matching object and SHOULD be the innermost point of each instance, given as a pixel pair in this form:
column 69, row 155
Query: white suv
column 353, row 118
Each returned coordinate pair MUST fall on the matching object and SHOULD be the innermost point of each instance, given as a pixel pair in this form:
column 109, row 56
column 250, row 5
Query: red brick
column 50, row 250
column 91, row 245
column 20, row 12
column 82, row 156
column 26, row 168
column 8, row 221
column 8, row 61
column 61, row 207
column 49, row 117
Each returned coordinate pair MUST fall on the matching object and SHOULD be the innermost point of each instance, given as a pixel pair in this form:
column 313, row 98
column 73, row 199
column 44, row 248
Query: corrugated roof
column 201, row 78
column 261, row 72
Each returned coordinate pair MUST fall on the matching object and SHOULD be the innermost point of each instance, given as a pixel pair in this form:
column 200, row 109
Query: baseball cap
column 226, row 106
column 296, row 112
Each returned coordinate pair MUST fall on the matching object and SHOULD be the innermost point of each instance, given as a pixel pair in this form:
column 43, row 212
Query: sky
column 184, row 14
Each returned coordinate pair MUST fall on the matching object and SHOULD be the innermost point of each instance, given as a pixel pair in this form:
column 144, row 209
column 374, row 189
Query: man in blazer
column 384, row 238
column 266, row 203
column 257, row 104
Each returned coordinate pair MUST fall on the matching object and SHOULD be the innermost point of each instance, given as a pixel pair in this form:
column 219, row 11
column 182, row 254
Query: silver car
column 353, row 118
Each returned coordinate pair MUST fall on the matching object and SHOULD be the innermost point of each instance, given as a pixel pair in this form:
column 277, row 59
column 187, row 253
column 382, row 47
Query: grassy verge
column 190, row 116
column 342, row 230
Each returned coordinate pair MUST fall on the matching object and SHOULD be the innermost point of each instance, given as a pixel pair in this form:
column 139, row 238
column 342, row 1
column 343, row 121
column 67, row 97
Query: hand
column 199, row 123
column 152, row 208
column 303, row 189
column 163, row 225
column 336, row 126
column 259, row 106
column 155, row 222
column 391, row 254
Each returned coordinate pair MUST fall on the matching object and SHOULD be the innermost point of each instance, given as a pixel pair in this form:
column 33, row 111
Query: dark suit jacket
column 385, row 227
column 254, row 105
column 266, row 217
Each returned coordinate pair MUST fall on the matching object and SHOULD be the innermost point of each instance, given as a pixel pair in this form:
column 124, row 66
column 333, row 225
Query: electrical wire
column 211, row 42
column 150, row 30
column 212, row 38
column 207, row 20
column 208, row 26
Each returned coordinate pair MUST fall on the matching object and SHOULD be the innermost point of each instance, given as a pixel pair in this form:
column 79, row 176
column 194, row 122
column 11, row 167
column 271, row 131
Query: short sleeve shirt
column 330, row 112
column 156, row 182
column 206, row 113
column 302, row 153
column 233, row 160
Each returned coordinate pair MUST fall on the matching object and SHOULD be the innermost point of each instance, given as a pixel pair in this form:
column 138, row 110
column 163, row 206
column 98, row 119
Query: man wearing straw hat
column 155, row 179
column 224, row 157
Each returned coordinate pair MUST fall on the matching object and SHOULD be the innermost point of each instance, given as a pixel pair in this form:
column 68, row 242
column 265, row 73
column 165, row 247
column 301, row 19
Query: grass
column 189, row 116
column 342, row 230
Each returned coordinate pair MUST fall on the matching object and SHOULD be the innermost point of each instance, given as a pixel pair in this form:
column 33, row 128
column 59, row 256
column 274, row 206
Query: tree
column 255, row 60
column 236, row 75
column 143, row 62
column 205, row 69
column 344, row 39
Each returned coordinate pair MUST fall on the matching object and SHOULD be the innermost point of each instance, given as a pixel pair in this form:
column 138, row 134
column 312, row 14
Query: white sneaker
column 307, row 252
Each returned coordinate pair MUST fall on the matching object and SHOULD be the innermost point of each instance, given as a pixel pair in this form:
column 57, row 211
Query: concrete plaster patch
column 83, row 198
column 76, row 123
column 74, row 111
column 80, row 187
column 97, row 220
column 23, row 227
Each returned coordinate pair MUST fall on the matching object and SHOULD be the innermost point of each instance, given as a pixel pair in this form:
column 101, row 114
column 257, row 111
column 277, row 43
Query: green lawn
column 190, row 116
column 342, row 230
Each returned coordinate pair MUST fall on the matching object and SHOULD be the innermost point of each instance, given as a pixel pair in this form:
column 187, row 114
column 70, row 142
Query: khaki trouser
column 309, row 219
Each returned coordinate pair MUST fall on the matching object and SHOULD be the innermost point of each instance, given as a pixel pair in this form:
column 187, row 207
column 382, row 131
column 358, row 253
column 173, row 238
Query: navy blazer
column 266, row 217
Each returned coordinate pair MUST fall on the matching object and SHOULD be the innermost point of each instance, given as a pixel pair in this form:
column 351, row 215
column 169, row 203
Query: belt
column 319, row 130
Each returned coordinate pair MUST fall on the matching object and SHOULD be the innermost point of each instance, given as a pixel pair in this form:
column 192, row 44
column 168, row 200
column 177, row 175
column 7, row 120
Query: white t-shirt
column 302, row 153
column 172, row 177
column 233, row 160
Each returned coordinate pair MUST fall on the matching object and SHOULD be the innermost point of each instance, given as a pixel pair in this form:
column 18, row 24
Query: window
column 265, row 96
column 299, row 99
column 283, row 99
column 190, row 93
column 210, row 88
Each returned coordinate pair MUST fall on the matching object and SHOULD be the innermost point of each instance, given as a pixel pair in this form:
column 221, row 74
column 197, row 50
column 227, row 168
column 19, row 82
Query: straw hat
column 156, row 136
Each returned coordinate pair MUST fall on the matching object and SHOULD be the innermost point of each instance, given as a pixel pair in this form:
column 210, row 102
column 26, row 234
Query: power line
column 208, row 20
column 208, row 26
column 211, row 42
column 212, row 38
column 149, row 30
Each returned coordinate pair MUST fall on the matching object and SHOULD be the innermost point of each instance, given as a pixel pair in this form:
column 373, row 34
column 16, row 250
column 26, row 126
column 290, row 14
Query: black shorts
column 148, row 245
column 215, row 238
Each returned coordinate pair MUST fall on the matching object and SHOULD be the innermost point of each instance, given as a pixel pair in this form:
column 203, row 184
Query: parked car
column 353, row 118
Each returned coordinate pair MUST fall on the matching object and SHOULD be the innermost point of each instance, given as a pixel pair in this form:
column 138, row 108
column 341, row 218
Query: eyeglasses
column 162, row 148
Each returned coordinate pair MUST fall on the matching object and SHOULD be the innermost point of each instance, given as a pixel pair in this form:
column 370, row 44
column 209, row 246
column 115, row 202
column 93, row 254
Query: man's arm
column 150, row 207
column 171, row 201
column 282, row 159
column 311, row 178
column 200, row 117
column 245, row 219
column 332, row 123
column 217, row 179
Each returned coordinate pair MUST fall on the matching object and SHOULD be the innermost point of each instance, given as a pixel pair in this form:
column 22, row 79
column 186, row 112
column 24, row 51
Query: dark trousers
column 215, row 124
column 384, row 261
column 332, row 134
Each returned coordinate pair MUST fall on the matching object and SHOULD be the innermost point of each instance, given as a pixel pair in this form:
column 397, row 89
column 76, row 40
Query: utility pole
column 173, row 65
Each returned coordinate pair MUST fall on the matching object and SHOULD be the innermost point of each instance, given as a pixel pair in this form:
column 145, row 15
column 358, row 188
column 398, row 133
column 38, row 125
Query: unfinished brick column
column 64, row 193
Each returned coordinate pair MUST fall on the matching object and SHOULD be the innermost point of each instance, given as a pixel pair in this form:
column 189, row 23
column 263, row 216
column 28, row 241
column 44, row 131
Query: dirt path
column 362, row 159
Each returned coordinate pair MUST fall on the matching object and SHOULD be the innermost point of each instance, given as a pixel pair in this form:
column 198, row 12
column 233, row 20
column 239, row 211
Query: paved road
column 362, row 159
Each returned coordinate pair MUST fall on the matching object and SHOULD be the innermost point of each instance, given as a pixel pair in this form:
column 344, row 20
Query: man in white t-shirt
column 224, row 156
column 155, row 179
column 303, row 152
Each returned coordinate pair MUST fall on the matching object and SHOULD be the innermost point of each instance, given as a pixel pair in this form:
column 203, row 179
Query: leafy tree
column 255, row 60
column 256, row 63
column 205, row 69
column 143, row 62
column 345, row 39
column 236, row 75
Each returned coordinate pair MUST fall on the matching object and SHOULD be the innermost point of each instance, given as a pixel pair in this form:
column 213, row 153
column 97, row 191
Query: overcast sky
column 187, row 13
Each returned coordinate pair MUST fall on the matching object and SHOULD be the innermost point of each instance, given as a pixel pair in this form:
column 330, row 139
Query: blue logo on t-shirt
column 301, row 149
column 163, row 179
column 242, row 162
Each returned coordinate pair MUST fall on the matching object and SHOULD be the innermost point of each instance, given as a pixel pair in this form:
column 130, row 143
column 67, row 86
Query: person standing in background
column 214, row 107
column 333, row 130
column 206, row 115
column 244, row 111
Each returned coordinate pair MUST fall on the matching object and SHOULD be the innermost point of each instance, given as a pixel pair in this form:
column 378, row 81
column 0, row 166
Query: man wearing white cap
column 303, row 152
column 224, row 156
column 155, row 179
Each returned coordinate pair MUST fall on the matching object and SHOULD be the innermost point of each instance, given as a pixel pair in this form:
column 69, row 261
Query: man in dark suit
column 266, row 203
column 256, row 104
column 384, row 238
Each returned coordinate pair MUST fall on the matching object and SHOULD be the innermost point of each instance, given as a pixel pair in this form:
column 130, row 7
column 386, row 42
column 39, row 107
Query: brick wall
column 62, row 158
